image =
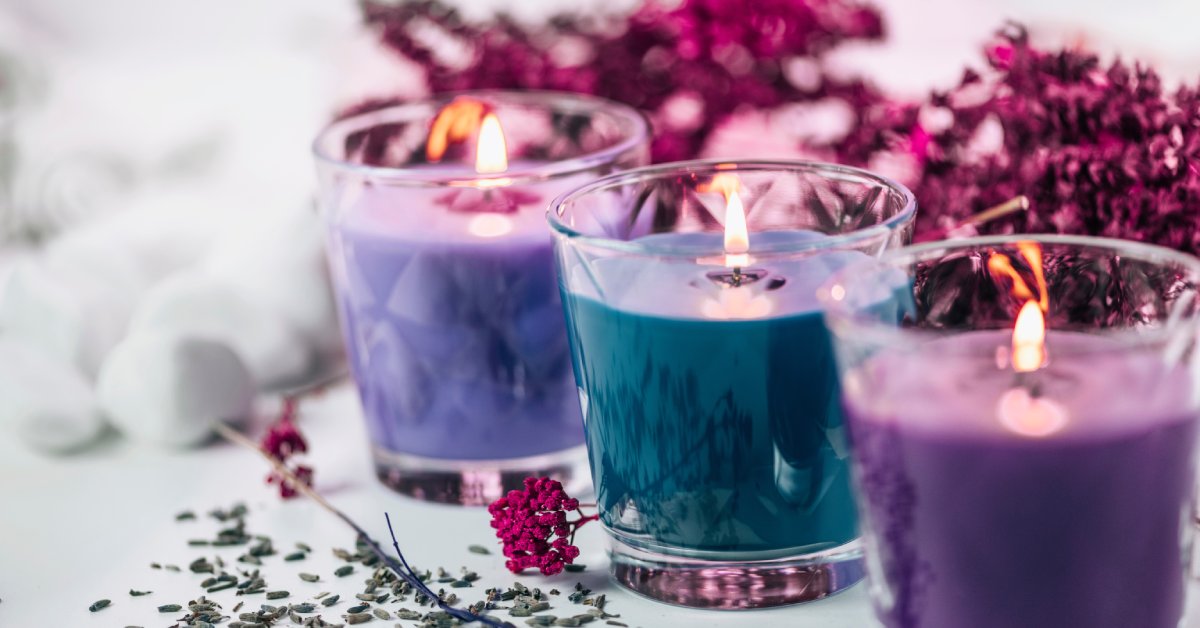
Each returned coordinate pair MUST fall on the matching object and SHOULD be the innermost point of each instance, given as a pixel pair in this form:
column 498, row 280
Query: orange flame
column 1000, row 265
column 737, row 234
column 1029, row 332
column 1029, row 339
column 491, row 151
column 456, row 122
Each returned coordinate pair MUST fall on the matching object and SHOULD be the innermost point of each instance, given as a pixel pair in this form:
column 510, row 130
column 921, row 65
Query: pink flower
column 282, row 441
column 533, row 527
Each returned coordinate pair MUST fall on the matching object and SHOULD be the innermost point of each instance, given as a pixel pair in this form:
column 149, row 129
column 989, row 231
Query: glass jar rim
column 869, row 327
column 552, row 100
column 881, row 230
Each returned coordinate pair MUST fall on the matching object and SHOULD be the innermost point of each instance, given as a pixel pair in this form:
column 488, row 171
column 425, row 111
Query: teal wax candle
column 712, row 410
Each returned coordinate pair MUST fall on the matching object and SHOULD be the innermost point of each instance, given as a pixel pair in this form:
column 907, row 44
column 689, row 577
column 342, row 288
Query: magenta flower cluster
column 1099, row 150
column 282, row 441
column 533, row 526
column 688, row 66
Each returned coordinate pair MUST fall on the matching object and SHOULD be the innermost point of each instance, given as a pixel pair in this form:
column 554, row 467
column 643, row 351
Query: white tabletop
column 83, row 528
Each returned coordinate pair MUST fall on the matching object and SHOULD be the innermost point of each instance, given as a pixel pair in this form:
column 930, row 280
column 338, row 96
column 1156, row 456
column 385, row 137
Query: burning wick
column 735, row 300
column 737, row 237
column 1029, row 339
column 491, row 151
column 1022, row 409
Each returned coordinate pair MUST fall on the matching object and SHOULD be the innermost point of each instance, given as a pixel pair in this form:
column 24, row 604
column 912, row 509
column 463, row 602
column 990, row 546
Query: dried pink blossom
column 282, row 441
column 689, row 65
column 1098, row 150
column 533, row 526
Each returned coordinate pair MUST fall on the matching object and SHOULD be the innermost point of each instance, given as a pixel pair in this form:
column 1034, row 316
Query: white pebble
column 208, row 307
column 46, row 400
column 168, row 388
column 279, row 259
column 74, row 300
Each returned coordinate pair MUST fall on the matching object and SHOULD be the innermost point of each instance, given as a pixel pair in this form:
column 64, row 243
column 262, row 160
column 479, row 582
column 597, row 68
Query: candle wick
column 1030, row 382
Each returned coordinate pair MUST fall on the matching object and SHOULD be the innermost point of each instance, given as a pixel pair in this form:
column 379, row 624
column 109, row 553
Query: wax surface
column 456, row 340
column 970, row 524
column 715, row 436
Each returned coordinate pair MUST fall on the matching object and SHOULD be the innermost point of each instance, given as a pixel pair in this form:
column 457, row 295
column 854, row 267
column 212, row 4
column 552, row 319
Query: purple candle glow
column 445, row 279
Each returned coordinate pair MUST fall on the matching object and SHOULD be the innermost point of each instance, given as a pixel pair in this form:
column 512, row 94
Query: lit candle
column 1019, row 477
column 707, row 379
column 443, row 267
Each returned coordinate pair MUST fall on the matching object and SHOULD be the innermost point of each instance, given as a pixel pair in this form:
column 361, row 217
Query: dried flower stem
column 401, row 568
column 1011, row 206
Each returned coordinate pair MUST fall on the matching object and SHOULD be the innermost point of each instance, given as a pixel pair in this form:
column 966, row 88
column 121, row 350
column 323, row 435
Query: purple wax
column 970, row 522
column 453, row 322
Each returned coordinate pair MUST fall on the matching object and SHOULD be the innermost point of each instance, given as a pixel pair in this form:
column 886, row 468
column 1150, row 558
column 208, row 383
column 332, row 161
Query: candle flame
column 1029, row 339
column 737, row 235
column 456, row 122
column 491, row 152
column 1000, row 265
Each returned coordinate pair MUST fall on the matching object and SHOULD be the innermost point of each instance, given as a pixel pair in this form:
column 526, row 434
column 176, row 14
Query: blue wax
column 712, row 435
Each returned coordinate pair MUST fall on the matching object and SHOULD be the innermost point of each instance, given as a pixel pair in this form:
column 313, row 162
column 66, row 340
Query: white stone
column 45, row 399
column 278, row 259
column 169, row 388
column 203, row 306
column 74, row 300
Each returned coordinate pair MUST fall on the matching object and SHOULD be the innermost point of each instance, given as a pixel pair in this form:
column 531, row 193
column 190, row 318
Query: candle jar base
column 478, row 482
column 735, row 584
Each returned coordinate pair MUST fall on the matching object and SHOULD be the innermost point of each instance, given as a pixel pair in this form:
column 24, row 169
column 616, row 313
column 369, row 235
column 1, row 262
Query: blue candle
column 711, row 410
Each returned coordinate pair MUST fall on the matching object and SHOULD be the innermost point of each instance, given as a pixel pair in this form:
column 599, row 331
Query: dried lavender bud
column 382, row 614
column 295, row 556
column 99, row 604
column 359, row 618
column 136, row 593
column 275, row 595
column 478, row 549
column 358, row 609
column 186, row 515
column 343, row 571
column 405, row 613
column 303, row 608
column 309, row 577
column 575, row 567
column 331, row 600
column 169, row 608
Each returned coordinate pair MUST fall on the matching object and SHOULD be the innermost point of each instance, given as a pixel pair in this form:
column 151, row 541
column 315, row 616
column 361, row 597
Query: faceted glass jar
column 445, row 282
column 706, row 374
column 1023, row 414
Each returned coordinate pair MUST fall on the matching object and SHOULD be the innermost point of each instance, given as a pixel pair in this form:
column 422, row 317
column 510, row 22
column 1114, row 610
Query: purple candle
column 1005, row 480
column 445, row 277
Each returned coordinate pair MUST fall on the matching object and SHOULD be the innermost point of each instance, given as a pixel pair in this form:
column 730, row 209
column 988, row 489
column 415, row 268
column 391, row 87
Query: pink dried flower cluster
column 1098, row 150
column 282, row 441
column 689, row 65
column 534, row 528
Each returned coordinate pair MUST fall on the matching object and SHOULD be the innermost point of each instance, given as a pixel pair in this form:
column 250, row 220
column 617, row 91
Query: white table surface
column 81, row 528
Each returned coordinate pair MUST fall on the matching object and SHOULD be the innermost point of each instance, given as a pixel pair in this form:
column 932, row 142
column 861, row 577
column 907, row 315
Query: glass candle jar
column 1023, row 414
column 442, row 265
column 706, row 374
